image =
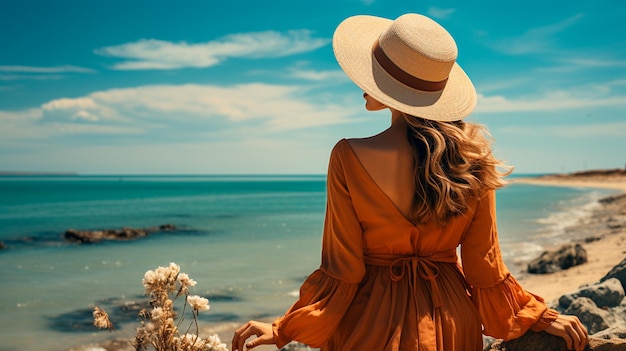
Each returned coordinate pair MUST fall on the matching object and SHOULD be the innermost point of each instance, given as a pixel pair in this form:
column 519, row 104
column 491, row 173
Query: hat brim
column 352, row 44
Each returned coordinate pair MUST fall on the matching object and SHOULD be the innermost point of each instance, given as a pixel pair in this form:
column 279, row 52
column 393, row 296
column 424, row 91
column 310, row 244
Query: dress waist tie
column 412, row 266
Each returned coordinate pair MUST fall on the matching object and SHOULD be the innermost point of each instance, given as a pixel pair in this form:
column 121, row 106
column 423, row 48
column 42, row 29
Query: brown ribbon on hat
column 402, row 76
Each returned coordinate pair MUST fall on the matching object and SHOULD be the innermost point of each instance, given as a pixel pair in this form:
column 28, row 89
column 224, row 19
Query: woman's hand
column 263, row 332
column 571, row 330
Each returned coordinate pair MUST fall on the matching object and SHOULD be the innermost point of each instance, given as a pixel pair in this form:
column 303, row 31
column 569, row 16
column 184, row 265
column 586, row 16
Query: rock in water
column 124, row 234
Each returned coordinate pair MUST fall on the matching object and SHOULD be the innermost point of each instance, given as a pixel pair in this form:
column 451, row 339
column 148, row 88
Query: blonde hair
column 453, row 164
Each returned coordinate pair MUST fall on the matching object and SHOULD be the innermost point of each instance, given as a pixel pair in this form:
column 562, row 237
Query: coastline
column 610, row 179
column 605, row 231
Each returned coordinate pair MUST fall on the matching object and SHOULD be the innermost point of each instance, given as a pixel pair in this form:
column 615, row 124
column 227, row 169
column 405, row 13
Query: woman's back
column 388, row 159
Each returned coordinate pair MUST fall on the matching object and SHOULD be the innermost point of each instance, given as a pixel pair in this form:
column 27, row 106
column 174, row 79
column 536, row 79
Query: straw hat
column 407, row 64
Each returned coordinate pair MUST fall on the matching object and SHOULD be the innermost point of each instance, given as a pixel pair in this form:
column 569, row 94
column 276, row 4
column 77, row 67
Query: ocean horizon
column 248, row 240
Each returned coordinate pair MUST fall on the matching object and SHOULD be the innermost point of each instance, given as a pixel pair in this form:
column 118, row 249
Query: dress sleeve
column 326, row 294
column 506, row 309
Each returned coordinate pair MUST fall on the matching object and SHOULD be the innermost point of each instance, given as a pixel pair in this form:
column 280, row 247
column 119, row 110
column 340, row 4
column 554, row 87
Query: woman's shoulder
column 366, row 144
column 338, row 150
column 355, row 143
column 380, row 144
column 369, row 147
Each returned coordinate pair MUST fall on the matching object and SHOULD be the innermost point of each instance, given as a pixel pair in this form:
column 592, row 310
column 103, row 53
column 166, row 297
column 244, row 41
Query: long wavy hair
column 453, row 164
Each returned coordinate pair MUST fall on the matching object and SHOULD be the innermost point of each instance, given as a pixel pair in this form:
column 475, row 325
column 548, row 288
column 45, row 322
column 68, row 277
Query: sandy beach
column 609, row 179
column 607, row 227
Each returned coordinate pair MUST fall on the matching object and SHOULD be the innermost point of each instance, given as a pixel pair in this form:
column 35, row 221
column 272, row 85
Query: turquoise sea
column 248, row 241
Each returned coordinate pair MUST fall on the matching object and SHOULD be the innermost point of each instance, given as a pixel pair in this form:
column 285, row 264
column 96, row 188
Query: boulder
column 609, row 293
column 594, row 318
column 530, row 341
column 614, row 344
column 612, row 198
column 619, row 272
column 546, row 342
column 566, row 256
column 615, row 332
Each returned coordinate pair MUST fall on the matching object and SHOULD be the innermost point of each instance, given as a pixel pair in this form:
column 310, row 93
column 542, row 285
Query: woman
column 400, row 203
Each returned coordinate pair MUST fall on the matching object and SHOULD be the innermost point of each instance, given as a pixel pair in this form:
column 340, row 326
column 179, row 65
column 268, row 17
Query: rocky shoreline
column 601, row 307
column 599, row 300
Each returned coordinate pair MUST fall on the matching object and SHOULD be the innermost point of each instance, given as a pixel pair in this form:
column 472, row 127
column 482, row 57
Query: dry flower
column 101, row 319
column 192, row 342
column 198, row 303
column 143, row 335
column 185, row 283
column 214, row 343
column 162, row 279
column 158, row 329
column 158, row 314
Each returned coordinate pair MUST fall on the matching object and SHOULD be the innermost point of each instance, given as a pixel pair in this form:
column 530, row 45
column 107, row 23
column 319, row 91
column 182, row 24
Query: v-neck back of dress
column 367, row 175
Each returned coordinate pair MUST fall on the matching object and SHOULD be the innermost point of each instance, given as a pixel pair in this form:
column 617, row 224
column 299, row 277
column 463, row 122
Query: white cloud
column 277, row 107
column 312, row 75
column 558, row 100
column 535, row 40
column 31, row 114
column 87, row 129
column 82, row 108
column 502, row 84
column 595, row 62
column 54, row 69
column 601, row 130
column 86, row 115
column 33, row 125
column 576, row 65
column 9, row 77
column 439, row 13
column 618, row 82
column 64, row 104
column 159, row 54
column 15, row 73
column 176, row 112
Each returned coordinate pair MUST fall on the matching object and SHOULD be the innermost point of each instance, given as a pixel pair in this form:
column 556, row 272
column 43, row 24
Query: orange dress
column 385, row 284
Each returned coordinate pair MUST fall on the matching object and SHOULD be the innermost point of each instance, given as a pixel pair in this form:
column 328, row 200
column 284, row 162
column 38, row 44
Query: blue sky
column 207, row 87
